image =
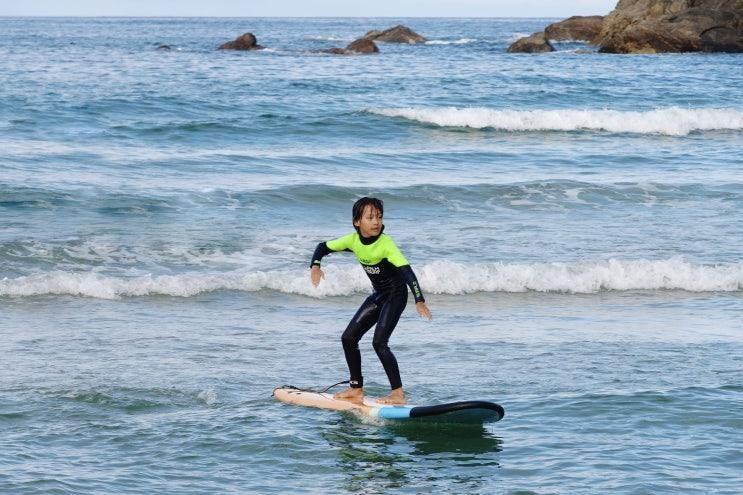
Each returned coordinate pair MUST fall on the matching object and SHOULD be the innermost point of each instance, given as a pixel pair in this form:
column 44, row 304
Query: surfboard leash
column 312, row 390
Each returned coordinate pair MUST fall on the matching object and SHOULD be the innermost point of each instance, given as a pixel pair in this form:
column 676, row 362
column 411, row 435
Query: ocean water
column 573, row 218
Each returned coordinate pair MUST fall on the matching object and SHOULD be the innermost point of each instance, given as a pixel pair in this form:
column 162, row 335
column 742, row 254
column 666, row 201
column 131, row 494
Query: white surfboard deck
column 467, row 412
column 323, row 400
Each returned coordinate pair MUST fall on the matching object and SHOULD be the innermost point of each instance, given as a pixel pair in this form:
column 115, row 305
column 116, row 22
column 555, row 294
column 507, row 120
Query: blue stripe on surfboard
column 393, row 412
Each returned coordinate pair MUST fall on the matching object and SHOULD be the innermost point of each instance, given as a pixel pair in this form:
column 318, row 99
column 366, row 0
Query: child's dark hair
column 358, row 207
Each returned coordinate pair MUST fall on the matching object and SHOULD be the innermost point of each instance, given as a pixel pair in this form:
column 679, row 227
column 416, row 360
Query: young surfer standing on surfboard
column 389, row 273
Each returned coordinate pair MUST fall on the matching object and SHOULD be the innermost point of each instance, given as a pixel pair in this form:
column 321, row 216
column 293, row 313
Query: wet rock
column 536, row 43
column 722, row 39
column 245, row 41
column 373, row 34
column 359, row 46
column 397, row 34
column 576, row 28
column 658, row 26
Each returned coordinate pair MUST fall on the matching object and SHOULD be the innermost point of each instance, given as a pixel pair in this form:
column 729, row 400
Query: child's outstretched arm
column 316, row 273
column 323, row 249
column 396, row 258
column 423, row 310
column 412, row 281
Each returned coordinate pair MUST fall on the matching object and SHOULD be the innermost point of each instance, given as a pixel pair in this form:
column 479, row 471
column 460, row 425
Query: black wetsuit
column 390, row 275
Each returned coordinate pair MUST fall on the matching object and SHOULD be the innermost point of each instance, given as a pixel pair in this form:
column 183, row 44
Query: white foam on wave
column 582, row 277
column 462, row 41
column 325, row 38
column 440, row 277
column 671, row 121
column 208, row 396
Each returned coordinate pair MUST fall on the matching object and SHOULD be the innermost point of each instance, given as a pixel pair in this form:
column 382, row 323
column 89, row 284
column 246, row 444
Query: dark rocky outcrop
column 397, row 34
column 363, row 46
column 576, row 28
column 723, row 39
column 655, row 26
column 359, row 46
column 246, row 41
column 536, row 43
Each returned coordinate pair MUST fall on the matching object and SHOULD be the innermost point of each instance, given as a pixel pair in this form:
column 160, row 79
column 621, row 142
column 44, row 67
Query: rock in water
column 576, row 28
column 397, row 34
column 656, row 26
column 361, row 45
column 536, row 43
column 246, row 41
column 373, row 34
column 722, row 39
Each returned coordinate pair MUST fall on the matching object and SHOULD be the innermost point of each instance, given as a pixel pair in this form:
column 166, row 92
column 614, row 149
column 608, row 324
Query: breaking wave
column 672, row 121
column 440, row 277
column 461, row 41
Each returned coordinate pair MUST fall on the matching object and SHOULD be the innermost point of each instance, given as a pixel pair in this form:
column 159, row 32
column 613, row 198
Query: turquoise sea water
column 573, row 218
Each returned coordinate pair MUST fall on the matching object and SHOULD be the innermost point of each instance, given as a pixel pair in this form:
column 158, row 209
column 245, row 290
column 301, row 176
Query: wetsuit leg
column 362, row 321
column 388, row 318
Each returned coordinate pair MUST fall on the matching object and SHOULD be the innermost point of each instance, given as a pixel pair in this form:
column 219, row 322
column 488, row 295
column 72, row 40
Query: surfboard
column 462, row 412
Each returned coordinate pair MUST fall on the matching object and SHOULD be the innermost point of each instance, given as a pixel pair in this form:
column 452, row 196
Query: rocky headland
column 662, row 26
column 651, row 26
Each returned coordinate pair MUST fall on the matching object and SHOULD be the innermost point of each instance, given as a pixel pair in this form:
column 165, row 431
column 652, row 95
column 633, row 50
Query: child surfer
column 389, row 273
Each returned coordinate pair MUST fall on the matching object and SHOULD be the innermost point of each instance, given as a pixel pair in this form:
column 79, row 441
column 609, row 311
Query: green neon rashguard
column 380, row 258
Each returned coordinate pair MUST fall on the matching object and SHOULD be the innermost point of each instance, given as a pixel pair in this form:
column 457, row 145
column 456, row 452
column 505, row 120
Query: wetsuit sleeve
column 412, row 282
column 395, row 257
column 325, row 248
column 320, row 251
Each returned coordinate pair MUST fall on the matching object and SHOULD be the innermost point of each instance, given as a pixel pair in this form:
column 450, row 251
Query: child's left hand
column 423, row 310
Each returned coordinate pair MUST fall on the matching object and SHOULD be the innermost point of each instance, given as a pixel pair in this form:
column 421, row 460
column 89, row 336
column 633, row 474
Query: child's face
column 370, row 223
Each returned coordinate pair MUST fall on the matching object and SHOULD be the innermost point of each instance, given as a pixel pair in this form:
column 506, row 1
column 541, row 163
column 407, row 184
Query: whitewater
column 673, row 121
column 439, row 277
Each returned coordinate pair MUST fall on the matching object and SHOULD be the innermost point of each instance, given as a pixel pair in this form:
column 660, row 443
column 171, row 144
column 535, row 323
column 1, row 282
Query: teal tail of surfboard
column 453, row 412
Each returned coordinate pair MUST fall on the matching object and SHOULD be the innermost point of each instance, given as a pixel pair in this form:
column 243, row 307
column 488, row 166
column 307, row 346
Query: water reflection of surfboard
column 462, row 412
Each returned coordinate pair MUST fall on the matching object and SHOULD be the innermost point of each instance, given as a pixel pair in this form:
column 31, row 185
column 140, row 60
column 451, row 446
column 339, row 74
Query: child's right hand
column 316, row 274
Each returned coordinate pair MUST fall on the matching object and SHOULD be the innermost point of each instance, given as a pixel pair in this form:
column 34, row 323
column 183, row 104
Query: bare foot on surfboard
column 396, row 398
column 351, row 394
